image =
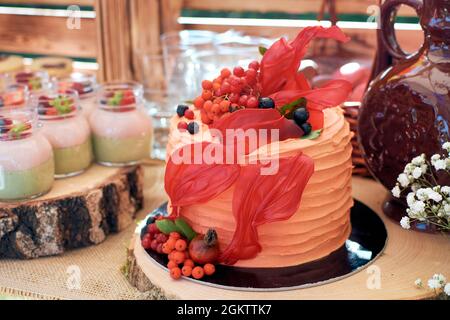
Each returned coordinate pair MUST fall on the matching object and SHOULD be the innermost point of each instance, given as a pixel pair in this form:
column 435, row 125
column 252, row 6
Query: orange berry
column 225, row 106
column 171, row 256
column 165, row 249
column 178, row 257
column 216, row 86
column 172, row 265
column 181, row 245
column 215, row 108
column 175, row 273
column 175, row 235
column 209, row 269
column 189, row 262
column 171, row 244
column 207, row 85
column 187, row 271
column 207, row 95
column 199, row 102
column 218, row 100
column 204, row 117
column 225, row 73
column 218, row 80
column 208, row 106
column 198, row 273
column 211, row 115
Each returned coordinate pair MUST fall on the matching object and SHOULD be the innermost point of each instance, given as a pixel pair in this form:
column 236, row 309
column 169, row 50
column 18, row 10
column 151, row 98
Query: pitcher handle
column 388, row 13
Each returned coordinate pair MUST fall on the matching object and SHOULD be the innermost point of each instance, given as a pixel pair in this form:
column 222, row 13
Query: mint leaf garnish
column 288, row 109
column 262, row 50
column 313, row 135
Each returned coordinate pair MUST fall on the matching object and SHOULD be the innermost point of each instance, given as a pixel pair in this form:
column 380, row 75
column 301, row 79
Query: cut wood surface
column 408, row 255
column 51, row 2
column 78, row 212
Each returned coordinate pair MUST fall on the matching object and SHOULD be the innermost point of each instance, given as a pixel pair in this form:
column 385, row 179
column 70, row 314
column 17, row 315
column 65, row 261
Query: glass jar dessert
column 86, row 87
column 67, row 131
column 36, row 81
column 26, row 156
column 14, row 96
column 122, row 130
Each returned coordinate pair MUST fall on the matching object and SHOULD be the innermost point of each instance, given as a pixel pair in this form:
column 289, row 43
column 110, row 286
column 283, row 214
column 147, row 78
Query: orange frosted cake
column 258, row 171
column 321, row 224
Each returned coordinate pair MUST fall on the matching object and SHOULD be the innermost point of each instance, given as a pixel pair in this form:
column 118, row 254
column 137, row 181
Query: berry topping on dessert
column 60, row 105
column 120, row 98
column 266, row 103
column 14, row 96
column 193, row 128
column 182, row 126
column 181, row 109
column 12, row 129
column 81, row 87
column 188, row 254
column 33, row 80
column 301, row 115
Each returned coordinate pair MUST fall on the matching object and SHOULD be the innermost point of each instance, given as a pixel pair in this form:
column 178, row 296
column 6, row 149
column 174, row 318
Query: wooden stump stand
column 78, row 212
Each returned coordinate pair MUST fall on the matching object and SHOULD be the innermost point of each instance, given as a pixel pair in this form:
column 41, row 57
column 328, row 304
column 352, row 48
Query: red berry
column 226, row 87
column 207, row 85
column 198, row 273
column 254, row 65
column 161, row 238
column 159, row 248
column 175, row 235
column 199, row 102
column 175, row 273
column 225, row 73
column 234, row 98
column 204, row 117
column 171, row 265
column 216, row 86
column 146, row 243
column 235, row 89
column 225, row 106
column 208, row 106
column 189, row 114
column 182, row 126
column 154, row 245
column 218, row 93
column 243, row 100
column 215, row 108
column 181, row 245
column 153, row 229
column 252, row 102
column 209, row 269
column 207, row 94
column 238, row 71
column 187, row 271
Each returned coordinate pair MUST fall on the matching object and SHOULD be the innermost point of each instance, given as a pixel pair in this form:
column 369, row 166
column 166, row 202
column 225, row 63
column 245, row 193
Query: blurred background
column 171, row 45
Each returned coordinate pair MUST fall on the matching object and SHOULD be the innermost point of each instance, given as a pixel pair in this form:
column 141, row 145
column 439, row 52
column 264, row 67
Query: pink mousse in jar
column 67, row 131
column 122, row 130
column 26, row 157
column 14, row 96
column 86, row 87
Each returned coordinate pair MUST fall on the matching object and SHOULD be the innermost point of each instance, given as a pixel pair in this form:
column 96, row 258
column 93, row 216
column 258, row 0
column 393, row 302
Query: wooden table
column 408, row 255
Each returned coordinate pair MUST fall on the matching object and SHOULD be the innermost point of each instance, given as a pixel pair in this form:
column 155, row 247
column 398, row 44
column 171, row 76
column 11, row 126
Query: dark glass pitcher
column 406, row 109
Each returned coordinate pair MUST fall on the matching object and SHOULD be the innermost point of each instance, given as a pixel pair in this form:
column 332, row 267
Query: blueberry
column 193, row 128
column 307, row 128
column 301, row 115
column 181, row 109
column 266, row 103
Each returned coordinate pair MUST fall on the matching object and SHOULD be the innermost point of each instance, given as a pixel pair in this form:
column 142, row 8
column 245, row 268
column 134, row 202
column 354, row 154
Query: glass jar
column 36, row 81
column 86, row 87
column 26, row 156
column 14, row 96
column 122, row 130
column 67, row 131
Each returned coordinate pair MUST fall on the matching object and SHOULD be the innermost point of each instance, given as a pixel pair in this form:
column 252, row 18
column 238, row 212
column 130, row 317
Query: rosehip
column 175, row 273
column 187, row 271
column 238, row 71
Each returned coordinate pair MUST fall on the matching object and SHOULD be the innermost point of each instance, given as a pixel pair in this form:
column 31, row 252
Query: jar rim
column 17, row 124
column 55, row 105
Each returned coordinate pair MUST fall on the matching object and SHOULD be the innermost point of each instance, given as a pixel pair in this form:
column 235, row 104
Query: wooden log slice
column 78, row 212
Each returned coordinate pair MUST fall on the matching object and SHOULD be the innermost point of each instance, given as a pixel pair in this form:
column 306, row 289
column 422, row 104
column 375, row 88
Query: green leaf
column 313, row 135
column 262, row 50
column 288, row 109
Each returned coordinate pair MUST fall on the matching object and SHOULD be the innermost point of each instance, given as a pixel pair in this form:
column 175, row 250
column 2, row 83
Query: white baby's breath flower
column 440, row 277
column 440, row 165
column 417, row 173
column 435, row 158
column 434, row 284
column 422, row 194
column 418, row 283
column 415, row 187
column 405, row 223
column 418, row 161
column 396, row 192
column 403, row 180
column 447, row 289
column 410, row 198
column 446, row 146
column 409, row 168
column 447, row 208
column 433, row 195
column 445, row 190
column 418, row 207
